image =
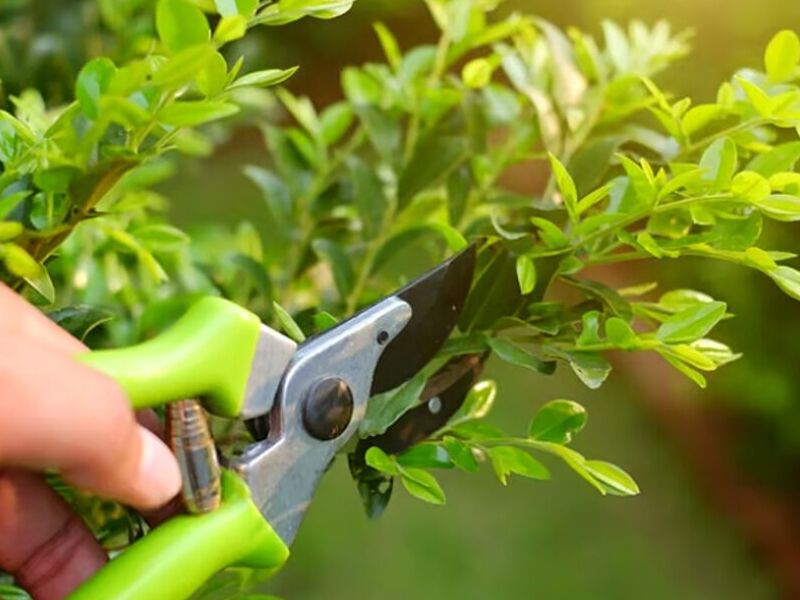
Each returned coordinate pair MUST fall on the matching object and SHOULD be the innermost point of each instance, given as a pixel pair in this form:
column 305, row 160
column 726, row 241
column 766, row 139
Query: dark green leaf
column 432, row 162
column 517, row 355
column 80, row 319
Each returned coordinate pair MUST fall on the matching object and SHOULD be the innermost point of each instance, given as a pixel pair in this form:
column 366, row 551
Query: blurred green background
column 558, row 539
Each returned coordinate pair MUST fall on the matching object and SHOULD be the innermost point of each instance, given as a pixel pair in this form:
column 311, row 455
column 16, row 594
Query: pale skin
column 57, row 414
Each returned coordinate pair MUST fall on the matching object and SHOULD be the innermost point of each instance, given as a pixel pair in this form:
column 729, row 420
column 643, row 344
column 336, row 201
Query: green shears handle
column 176, row 558
column 207, row 353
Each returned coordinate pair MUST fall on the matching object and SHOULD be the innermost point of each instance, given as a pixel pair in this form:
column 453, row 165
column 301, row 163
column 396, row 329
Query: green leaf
column 615, row 480
column 781, row 207
column 9, row 230
column 181, row 68
column 719, row 353
column 433, row 160
column 788, row 280
column 425, row 456
column 517, row 355
column 343, row 275
column 507, row 460
column 230, row 27
column 324, row 320
column 190, row 113
column 461, row 454
column 678, row 300
column 719, row 163
column 758, row 98
column 692, row 323
column 698, row 117
column 277, row 196
column 379, row 460
column 288, row 325
column 750, row 185
column 557, row 421
column 263, row 78
column 477, row 404
column 422, row 485
column 619, row 333
column 590, row 367
column 389, row 44
column 335, row 121
column 10, row 202
column 161, row 238
column 593, row 198
column 384, row 409
column 181, row 24
column 590, row 326
column 18, row 261
column 228, row 8
column 779, row 159
column 782, row 56
column 526, row 274
column 369, row 196
column 477, row 430
column 92, row 81
column 566, row 186
column 610, row 297
column 477, row 73
column 550, row 233
column 80, row 319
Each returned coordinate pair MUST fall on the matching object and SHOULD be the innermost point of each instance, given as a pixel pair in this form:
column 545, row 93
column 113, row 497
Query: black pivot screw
column 328, row 408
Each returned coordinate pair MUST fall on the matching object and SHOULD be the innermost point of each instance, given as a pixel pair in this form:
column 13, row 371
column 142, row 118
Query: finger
column 43, row 544
column 18, row 318
column 149, row 419
column 60, row 414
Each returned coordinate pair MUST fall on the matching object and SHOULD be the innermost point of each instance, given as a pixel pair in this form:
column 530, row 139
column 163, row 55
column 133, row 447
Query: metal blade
column 436, row 300
column 443, row 395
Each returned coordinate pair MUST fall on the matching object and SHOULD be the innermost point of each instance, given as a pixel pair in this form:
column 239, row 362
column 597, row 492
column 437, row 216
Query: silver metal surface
column 283, row 471
column 273, row 353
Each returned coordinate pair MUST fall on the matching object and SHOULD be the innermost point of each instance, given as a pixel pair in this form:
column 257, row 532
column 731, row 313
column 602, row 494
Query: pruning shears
column 308, row 401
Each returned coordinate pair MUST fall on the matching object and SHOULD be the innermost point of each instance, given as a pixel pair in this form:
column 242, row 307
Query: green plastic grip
column 208, row 352
column 176, row 558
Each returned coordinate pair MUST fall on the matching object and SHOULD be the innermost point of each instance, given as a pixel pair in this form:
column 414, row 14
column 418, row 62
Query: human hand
column 59, row 414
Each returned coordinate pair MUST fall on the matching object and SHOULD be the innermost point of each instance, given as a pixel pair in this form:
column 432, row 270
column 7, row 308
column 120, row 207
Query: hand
column 56, row 413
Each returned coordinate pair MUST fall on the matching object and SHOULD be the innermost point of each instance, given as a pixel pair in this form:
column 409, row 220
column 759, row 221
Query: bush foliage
column 555, row 151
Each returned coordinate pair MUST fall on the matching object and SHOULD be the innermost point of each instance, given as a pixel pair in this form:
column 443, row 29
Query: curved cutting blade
column 436, row 300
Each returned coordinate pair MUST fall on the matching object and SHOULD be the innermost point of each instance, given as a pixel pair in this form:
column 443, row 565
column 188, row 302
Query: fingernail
column 159, row 475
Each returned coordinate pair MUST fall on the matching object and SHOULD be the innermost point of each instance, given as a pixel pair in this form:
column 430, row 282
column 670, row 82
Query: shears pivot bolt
column 328, row 408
